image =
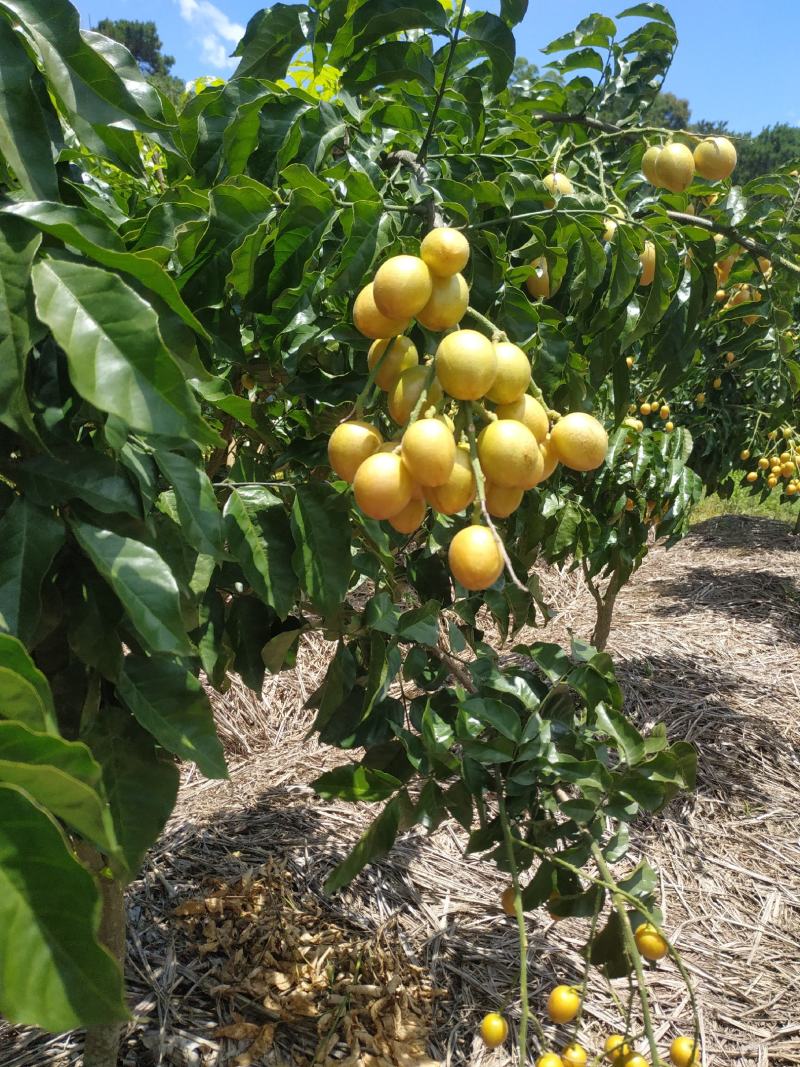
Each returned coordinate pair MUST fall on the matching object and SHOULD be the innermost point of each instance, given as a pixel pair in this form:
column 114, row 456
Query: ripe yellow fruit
column 650, row 942
column 649, row 160
column 717, row 383
column 529, row 411
column 445, row 250
column 410, row 518
column 675, row 167
column 563, row 1004
column 550, row 1059
column 791, row 489
column 645, row 408
column 663, row 411
column 629, row 361
column 502, row 501
column 402, row 287
column 684, row 1052
column 729, row 357
column 763, row 463
column 744, row 454
column 787, row 432
column 507, row 900
column 513, row 374
column 368, row 320
column 648, row 262
column 772, row 481
column 538, row 284
column 785, row 457
column 429, row 451
column 509, row 455
column 580, row 441
column 720, row 295
column 402, row 355
column 633, row 1059
column 617, row 1048
column 787, row 470
column 669, row 426
column 609, row 229
column 475, row 560
column 447, row 305
column 350, row 444
column 494, row 1029
column 715, row 158
column 574, row 1055
column 382, row 485
column 466, row 364
column 458, row 491
column 558, row 184
column 406, row 391
column 549, row 457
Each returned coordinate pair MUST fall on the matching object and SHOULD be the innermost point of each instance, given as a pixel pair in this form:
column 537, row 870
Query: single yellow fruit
column 791, row 489
column 558, row 184
column 772, row 435
column 574, row 1055
column 447, row 305
column 382, row 485
column 787, row 432
column 720, row 295
column 475, row 560
column 669, row 426
column 538, row 284
column 368, row 320
column 700, row 398
column 466, row 364
column 563, row 1004
column 429, row 451
column 402, row 287
column 645, row 409
column 717, row 383
column 445, row 250
column 744, row 454
column 633, row 1059
column 580, row 441
column 510, row 455
column 730, row 357
column 409, row 520
column 494, row 1029
column 763, row 463
column 513, row 374
column 528, row 411
column 402, row 355
column 684, row 1051
column 502, row 501
column 675, row 167
column 629, row 504
column 663, row 411
column 458, row 491
column 350, row 444
column 507, row 900
column 549, row 457
column 650, row 942
column 715, row 158
column 617, row 1048
column 609, row 229
column 649, row 160
column 248, row 381
column 550, row 1059
column 629, row 361
column 648, row 262
column 406, row 391
column 787, row 470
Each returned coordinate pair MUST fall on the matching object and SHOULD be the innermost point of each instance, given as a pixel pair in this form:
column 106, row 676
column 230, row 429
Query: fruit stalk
column 358, row 407
column 426, row 140
column 497, row 335
column 423, row 396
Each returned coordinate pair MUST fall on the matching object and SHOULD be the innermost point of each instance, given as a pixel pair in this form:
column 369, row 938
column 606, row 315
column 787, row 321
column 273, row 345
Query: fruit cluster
column 437, row 459
column 674, row 165
column 778, row 467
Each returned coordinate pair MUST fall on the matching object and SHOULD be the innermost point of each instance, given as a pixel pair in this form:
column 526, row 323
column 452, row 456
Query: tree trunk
column 796, row 529
column 101, row 1047
column 605, row 612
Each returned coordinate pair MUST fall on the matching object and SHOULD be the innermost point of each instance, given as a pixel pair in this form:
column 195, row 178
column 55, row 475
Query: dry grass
column 707, row 640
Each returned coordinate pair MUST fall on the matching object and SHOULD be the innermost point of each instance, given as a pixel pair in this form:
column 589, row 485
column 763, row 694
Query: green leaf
column 18, row 247
column 496, row 40
column 373, row 19
column 260, row 538
column 321, row 529
column 394, row 61
column 336, row 687
column 30, row 538
column 172, row 705
column 657, row 12
column 607, row 950
column 55, row 974
column 117, row 359
column 551, row 658
column 195, row 500
column 24, row 137
column 375, row 843
column 24, row 691
column 142, row 581
column 367, row 230
column 353, row 781
column 141, row 783
column 617, row 726
column 271, row 39
column 421, row 624
column 78, row 473
column 496, row 714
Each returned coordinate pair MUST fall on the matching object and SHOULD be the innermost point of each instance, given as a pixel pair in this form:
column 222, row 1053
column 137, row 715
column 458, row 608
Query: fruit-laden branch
column 733, row 235
column 612, row 130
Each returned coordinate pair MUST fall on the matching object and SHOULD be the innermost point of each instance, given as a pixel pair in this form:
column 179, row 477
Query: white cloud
column 216, row 33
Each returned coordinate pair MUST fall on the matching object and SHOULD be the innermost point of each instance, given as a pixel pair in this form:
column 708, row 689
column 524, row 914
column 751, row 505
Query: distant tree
column 767, row 151
column 525, row 71
column 669, row 111
column 142, row 41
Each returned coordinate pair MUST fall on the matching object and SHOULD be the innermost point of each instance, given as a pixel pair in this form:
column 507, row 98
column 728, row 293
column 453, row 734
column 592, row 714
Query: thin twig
column 426, row 140
column 733, row 235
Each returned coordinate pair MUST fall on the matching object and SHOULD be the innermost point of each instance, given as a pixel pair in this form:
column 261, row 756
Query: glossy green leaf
column 321, row 529
column 18, row 247
column 271, row 39
column 24, row 691
column 260, row 537
column 79, row 474
column 353, row 781
column 195, row 499
column 30, row 537
column 374, row 844
column 24, row 134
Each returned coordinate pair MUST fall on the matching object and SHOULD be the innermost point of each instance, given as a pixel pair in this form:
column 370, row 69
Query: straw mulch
column 237, row 958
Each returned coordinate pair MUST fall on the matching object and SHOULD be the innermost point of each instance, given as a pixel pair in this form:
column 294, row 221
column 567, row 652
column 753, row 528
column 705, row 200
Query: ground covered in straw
column 235, row 957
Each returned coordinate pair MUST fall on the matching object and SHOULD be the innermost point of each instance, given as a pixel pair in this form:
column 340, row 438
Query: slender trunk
column 796, row 529
column 605, row 612
column 101, row 1047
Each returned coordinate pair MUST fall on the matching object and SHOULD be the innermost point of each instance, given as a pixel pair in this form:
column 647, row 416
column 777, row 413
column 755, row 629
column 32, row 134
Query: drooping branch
column 756, row 247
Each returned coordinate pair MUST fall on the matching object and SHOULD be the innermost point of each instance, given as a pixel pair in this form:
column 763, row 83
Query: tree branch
column 733, row 235
column 426, row 140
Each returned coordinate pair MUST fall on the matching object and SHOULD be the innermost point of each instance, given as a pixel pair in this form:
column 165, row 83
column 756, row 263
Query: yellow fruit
column 720, row 295
column 787, row 470
column 507, row 901
column 458, row 491
column 558, row 184
column 744, row 454
column 763, row 463
column 633, row 1059
column 609, row 229
column 410, row 518
column 405, row 393
column 402, row 287
column 772, row 481
column 791, row 489
column 785, row 457
column 509, row 455
column 717, row 383
column 772, row 435
column 787, row 433
column 429, row 451
column 715, row 158
column 775, row 471
column 502, row 501
column 663, row 411
column 474, row 558
column 563, row 1004
column 639, row 425
column 700, row 398
column 382, row 485
column 550, row 1059
column 645, row 409
column 729, row 357
column 648, row 262
column 529, row 411
column 447, row 305
column 650, row 942
column 684, row 1051
column 402, row 355
column 466, row 364
column 574, row 1055
column 513, row 374
column 368, row 320
column 675, row 167
column 349, row 445
column 669, row 426
column 538, row 284
column 580, row 441
column 494, row 1029
column 617, row 1048
column 248, row 381
column 445, row 250
column 629, row 504
column 549, row 457
column 629, row 361
column 649, row 164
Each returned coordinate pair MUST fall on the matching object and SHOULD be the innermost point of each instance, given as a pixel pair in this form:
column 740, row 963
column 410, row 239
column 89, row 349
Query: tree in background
column 142, row 41
column 670, row 112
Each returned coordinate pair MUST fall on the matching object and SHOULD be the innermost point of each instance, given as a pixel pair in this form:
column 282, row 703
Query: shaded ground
column 707, row 640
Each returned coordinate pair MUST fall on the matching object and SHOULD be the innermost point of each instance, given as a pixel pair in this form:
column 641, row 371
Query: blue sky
column 737, row 59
